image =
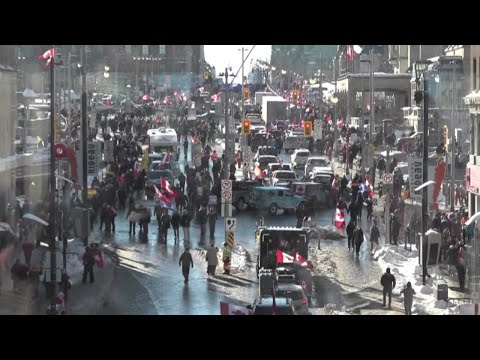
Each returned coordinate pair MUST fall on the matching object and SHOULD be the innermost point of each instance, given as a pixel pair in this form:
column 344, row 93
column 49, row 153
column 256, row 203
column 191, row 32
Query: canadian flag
column 350, row 53
column 339, row 219
column 302, row 262
column 230, row 309
column 166, row 186
column 48, row 55
column 283, row 258
column 99, row 259
column 340, row 122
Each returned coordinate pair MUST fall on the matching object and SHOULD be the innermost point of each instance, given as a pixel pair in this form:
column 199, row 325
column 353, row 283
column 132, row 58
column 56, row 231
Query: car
column 316, row 195
column 296, row 294
column 272, row 167
column 300, row 157
column 264, row 160
column 241, row 193
column 265, row 150
column 292, row 142
column 171, row 166
column 272, row 198
column 282, row 176
column 264, row 306
column 313, row 161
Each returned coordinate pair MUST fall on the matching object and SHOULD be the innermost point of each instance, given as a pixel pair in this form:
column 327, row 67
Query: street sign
column 212, row 200
column 231, row 224
column 232, row 128
column 226, row 195
column 93, row 159
column 247, row 154
column 230, row 239
column 388, row 178
column 226, row 184
column 415, row 176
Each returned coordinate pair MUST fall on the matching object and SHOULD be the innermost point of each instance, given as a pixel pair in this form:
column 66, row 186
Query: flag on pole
column 350, row 53
column 340, row 122
column 48, row 55
column 302, row 262
column 231, row 309
column 166, row 158
column 166, row 186
column 283, row 258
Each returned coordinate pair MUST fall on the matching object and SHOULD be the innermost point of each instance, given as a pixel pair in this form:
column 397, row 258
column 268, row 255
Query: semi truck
column 273, row 108
column 259, row 96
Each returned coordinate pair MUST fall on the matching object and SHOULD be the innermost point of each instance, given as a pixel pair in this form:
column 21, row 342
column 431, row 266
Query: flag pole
column 53, row 280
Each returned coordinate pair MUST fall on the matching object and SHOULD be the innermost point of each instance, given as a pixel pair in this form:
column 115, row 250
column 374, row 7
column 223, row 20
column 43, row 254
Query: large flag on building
column 48, row 55
column 283, row 258
column 231, row 309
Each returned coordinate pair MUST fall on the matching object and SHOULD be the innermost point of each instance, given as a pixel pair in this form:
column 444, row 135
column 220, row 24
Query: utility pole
column 243, row 94
column 69, row 86
column 453, row 146
column 372, row 99
column 84, row 128
column 228, row 150
column 387, row 204
column 425, row 176
column 116, row 73
column 53, row 279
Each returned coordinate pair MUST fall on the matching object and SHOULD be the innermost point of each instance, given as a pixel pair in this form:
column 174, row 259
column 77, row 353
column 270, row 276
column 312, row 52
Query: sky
column 222, row 56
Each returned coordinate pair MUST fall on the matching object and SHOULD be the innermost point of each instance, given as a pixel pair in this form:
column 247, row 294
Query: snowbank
column 332, row 309
column 404, row 266
column 322, row 261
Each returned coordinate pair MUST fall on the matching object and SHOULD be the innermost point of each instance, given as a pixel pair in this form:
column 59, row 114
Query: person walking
column 388, row 282
column 227, row 259
column 185, row 222
column 374, row 235
column 88, row 262
column 350, row 229
column 358, row 239
column 185, row 262
column 176, row 225
column 182, row 179
column 212, row 260
column 408, row 293
column 212, row 219
column 132, row 222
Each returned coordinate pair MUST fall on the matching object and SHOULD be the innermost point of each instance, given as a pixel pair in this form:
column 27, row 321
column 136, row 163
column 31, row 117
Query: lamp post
column 420, row 69
column 453, row 147
column 371, row 121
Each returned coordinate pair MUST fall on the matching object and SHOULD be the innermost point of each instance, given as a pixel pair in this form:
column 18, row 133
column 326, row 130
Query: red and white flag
column 230, row 309
column 48, row 55
column 350, row 53
column 283, row 258
column 340, row 122
column 99, row 259
column 339, row 219
column 302, row 262
column 166, row 186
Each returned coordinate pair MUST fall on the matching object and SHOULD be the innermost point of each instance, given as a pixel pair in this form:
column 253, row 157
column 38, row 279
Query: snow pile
column 331, row 309
column 240, row 259
column 322, row 261
column 404, row 266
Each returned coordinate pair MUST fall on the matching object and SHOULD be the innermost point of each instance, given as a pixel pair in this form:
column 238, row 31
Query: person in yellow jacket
column 227, row 258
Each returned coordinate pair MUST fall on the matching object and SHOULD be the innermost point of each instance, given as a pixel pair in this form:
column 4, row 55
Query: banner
column 93, row 157
column 415, row 176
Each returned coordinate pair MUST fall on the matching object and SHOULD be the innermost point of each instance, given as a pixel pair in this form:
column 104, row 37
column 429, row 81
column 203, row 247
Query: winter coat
column 408, row 296
column 175, row 220
column 185, row 220
column 358, row 236
column 185, row 260
column 388, row 281
column 211, row 256
column 374, row 234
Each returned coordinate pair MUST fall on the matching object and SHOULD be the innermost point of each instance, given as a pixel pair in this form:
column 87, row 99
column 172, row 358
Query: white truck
column 259, row 96
column 273, row 108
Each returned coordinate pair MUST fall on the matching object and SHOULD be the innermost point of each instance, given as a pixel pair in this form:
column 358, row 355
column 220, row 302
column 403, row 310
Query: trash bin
column 442, row 292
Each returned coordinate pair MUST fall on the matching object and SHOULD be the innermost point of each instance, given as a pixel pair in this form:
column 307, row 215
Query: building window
column 128, row 49
column 144, row 49
column 161, row 49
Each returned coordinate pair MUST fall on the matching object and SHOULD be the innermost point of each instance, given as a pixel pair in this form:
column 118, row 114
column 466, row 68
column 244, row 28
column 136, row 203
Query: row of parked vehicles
column 274, row 186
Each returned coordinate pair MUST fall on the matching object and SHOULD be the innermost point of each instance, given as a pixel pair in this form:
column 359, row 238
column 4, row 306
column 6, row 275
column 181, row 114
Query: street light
column 334, row 99
column 420, row 69
column 371, row 121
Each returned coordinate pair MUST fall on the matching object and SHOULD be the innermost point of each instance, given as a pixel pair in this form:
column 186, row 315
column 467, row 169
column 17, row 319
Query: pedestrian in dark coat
column 212, row 260
column 395, row 226
column 388, row 282
column 350, row 229
column 185, row 262
column 374, row 235
column 408, row 293
column 358, row 239
column 300, row 212
column 88, row 262
column 176, row 225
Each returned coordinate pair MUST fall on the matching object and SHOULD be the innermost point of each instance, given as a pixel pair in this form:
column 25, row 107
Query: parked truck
column 273, row 108
column 259, row 96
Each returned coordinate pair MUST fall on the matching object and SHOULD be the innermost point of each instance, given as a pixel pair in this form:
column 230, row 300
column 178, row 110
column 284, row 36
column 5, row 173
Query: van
column 272, row 198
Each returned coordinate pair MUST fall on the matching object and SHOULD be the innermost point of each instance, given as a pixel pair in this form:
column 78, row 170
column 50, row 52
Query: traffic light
column 307, row 128
column 246, row 93
column 294, row 95
column 246, row 127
